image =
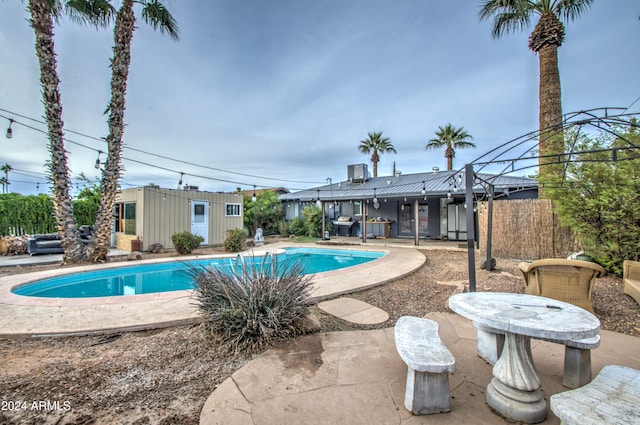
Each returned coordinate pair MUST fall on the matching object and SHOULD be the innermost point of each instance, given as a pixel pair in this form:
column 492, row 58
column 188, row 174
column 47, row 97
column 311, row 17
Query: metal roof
column 438, row 183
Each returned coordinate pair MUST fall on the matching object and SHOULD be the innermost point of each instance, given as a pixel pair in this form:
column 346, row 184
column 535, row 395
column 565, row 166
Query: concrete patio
column 358, row 378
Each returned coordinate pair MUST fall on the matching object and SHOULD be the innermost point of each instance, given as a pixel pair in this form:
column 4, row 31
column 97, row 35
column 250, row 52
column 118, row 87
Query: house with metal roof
column 427, row 205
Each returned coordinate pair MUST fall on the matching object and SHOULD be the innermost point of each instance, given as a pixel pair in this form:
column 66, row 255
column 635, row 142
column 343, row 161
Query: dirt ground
column 165, row 376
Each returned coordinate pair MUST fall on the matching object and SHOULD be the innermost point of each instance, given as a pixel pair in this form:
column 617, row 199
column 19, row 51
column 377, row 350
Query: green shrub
column 296, row 227
column 186, row 242
column 312, row 216
column 29, row 214
column 265, row 212
column 236, row 240
column 245, row 310
column 600, row 198
column 283, row 229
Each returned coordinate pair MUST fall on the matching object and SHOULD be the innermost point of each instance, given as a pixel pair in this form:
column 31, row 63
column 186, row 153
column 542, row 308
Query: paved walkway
column 358, row 378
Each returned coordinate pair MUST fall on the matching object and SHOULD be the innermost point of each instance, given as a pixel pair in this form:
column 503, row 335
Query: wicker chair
column 570, row 281
column 631, row 279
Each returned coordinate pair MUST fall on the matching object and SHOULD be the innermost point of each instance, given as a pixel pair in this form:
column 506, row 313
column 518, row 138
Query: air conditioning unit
column 357, row 172
column 191, row 188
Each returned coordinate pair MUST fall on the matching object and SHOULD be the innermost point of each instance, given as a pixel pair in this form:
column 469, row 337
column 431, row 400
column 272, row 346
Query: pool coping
column 33, row 316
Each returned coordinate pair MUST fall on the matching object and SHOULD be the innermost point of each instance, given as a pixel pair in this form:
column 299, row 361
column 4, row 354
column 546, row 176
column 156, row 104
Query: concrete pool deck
column 32, row 317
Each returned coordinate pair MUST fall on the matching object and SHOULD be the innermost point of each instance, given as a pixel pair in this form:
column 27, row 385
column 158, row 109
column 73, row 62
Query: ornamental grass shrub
column 246, row 309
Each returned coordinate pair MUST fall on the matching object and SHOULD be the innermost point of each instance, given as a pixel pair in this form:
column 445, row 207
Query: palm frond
column 571, row 9
column 375, row 142
column 508, row 15
column 156, row 14
column 98, row 13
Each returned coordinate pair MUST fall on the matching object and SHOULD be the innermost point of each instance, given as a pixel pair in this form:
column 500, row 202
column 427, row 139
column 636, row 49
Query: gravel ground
column 165, row 376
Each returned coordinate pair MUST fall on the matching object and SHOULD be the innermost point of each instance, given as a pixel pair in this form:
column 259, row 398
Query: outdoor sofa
column 631, row 279
column 49, row 243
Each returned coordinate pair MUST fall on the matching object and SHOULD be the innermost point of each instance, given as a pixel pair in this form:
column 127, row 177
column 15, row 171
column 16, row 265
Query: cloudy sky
column 281, row 92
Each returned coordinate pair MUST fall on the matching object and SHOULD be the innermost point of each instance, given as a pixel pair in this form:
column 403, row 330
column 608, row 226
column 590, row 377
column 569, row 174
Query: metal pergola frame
column 604, row 120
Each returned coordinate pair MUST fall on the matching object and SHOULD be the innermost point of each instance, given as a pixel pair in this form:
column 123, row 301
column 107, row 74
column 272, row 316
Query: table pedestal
column 514, row 391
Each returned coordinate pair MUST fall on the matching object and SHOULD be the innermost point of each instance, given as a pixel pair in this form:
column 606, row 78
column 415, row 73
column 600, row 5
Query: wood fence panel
column 525, row 229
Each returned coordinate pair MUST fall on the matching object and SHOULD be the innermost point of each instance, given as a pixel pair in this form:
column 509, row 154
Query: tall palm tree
column 547, row 36
column 376, row 144
column 451, row 138
column 157, row 16
column 43, row 13
column 5, row 183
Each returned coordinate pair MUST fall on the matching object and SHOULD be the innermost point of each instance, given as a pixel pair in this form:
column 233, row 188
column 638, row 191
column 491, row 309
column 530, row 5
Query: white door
column 200, row 219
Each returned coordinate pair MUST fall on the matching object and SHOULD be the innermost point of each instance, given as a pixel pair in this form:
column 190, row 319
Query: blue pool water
column 172, row 276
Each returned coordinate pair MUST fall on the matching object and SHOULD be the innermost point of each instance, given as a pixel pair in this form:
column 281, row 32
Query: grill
column 343, row 223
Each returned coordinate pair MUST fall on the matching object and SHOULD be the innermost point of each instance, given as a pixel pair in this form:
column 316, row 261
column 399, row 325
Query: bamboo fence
column 525, row 229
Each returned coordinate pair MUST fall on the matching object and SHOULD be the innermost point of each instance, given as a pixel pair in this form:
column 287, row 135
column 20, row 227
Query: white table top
column 523, row 314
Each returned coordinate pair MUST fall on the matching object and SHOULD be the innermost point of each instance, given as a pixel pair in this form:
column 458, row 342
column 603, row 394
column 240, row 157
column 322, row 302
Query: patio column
column 471, row 228
column 363, row 227
column 324, row 225
column 416, row 223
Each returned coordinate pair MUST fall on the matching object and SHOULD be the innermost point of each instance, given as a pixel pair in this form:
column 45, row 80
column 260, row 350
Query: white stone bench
column 577, row 354
column 611, row 398
column 428, row 362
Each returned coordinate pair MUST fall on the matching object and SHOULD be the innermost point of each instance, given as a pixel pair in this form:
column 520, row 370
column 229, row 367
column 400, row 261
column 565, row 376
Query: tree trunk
column 551, row 136
column 122, row 35
column 449, row 153
column 42, row 24
column 375, row 158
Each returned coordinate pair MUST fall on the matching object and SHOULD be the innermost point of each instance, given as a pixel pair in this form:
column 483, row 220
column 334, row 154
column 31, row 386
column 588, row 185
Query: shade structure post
column 471, row 230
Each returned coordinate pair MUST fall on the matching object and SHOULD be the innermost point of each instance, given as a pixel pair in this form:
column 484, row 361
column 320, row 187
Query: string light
column 9, row 131
column 97, row 166
column 145, row 152
column 180, row 181
column 254, row 197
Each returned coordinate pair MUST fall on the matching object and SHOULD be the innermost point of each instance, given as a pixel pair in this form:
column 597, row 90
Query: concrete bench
column 428, row 365
column 577, row 354
column 611, row 398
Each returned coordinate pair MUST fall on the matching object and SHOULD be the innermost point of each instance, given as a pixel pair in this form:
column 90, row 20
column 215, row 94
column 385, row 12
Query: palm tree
column 547, row 36
column 155, row 14
column 5, row 183
column 377, row 144
column 43, row 13
column 451, row 138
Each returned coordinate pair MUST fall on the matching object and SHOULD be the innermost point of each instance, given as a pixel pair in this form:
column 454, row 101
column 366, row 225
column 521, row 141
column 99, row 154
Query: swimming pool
column 172, row 276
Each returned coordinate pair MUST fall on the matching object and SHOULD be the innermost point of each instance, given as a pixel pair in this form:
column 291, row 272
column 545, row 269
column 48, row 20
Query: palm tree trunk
column 551, row 135
column 42, row 24
column 122, row 35
column 375, row 158
column 449, row 153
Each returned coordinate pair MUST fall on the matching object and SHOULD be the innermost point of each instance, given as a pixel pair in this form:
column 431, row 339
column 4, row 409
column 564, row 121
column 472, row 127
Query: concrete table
column 514, row 391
